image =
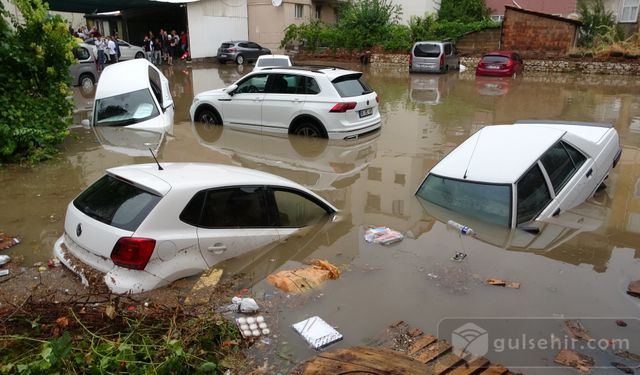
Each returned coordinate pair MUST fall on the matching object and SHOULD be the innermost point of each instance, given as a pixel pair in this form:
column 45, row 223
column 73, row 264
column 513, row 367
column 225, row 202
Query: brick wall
column 479, row 42
column 533, row 34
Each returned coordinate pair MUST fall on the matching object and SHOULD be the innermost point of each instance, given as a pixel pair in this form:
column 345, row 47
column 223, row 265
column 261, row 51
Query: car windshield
column 125, row 109
column 489, row 59
column 351, row 85
column 487, row 202
column 426, row 50
column 116, row 202
column 272, row 62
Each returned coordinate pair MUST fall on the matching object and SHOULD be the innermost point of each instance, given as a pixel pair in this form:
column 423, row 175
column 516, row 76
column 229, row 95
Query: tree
column 463, row 10
column 596, row 22
column 367, row 21
column 35, row 55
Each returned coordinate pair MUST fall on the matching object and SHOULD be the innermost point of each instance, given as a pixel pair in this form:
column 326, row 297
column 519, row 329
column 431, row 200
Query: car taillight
column 377, row 99
column 132, row 252
column 442, row 60
column 410, row 60
column 343, row 107
column 231, row 50
column 509, row 63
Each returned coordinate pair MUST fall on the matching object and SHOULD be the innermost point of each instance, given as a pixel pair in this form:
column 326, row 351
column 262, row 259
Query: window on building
column 629, row 10
column 318, row 11
column 298, row 10
column 497, row 17
column 374, row 174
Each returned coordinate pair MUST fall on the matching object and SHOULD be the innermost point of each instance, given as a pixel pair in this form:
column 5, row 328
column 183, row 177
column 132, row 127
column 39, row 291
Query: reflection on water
column 576, row 265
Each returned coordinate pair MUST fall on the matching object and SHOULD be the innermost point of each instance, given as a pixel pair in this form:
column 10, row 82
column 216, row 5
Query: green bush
column 465, row 11
column 35, row 56
column 597, row 23
column 367, row 22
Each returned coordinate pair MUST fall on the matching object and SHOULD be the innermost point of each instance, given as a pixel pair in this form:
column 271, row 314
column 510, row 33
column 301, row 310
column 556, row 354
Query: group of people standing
column 108, row 49
column 165, row 47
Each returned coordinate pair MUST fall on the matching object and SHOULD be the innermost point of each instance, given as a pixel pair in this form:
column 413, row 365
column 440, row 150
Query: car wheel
column 240, row 59
column 208, row 116
column 87, row 84
column 309, row 129
column 139, row 55
column 209, row 126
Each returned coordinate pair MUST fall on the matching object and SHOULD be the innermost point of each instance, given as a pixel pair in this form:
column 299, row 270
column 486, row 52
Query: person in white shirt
column 101, row 45
column 111, row 48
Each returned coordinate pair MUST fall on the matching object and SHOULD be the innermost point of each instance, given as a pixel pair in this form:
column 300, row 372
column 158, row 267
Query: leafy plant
column 597, row 23
column 367, row 22
column 35, row 55
column 463, row 10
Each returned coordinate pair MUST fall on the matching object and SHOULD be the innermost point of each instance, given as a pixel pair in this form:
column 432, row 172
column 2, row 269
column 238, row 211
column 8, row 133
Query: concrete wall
column 267, row 23
column 75, row 19
column 212, row 22
column 558, row 7
column 479, row 42
column 531, row 34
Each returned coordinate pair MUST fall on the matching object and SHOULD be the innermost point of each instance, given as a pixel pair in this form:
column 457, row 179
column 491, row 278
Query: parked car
column 433, row 57
column 510, row 175
column 85, row 72
column 127, row 50
column 316, row 102
column 500, row 63
column 240, row 51
column 142, row 227
column 135, row 94
column 271, row 61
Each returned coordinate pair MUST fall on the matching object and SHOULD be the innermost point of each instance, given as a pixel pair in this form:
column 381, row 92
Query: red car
column 500, row 63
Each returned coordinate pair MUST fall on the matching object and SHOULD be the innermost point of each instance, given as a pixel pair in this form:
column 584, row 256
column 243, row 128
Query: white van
column 134, row 94
column 433, row 57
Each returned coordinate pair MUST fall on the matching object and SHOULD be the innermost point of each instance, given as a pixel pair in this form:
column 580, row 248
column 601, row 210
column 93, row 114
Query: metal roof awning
column 100, row 6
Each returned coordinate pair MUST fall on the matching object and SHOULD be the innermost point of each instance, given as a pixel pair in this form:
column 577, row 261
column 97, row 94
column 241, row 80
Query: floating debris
column 505, row 283
column 7, row 241
column 458, row 256
column 4, row 259
column 621, row 323
column 300, row 280
column 317, row 332
column 577, row 330
column 252, row 327
column 628, row 355
column 382, row 235
column 623, row 368
column 580, row 361
column 4, row 273
column 634, row 288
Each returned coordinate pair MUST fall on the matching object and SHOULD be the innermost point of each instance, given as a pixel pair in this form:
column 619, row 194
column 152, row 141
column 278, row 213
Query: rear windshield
column 351, row 85
column 495, row 59
column 426, row 50
column 117, row 203
column 126, row 109
column 226, row 45
column 272, row 62
column 487, row 202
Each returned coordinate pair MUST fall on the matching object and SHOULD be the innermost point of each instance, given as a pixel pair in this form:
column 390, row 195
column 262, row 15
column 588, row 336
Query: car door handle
column 217, row 248
column 590, row 172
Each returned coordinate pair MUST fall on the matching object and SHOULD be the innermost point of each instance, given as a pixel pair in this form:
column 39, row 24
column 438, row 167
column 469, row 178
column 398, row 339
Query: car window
column 487, row 202
column 238, row 207
column 287, row 84
column 226, row 45
column 81, row 53
column 533, row 195
column 116, row 202
column 311, row 86
column 495, row 59
column 351, row 85
column 253, row 45
column 125, row 109
column 295, row 210
column 426, row 50
column 253, row 84
column 243, row 45
column 270, row 61
column 447, row 49
column 561, row 162
column 193, row 210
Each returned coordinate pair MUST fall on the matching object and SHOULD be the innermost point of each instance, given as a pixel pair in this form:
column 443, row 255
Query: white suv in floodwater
column 316, row 102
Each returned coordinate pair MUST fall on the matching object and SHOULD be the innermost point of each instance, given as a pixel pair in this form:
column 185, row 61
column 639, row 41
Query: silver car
column 127, row 51
column 85, row 72
column 433, row 57
column 240, row 51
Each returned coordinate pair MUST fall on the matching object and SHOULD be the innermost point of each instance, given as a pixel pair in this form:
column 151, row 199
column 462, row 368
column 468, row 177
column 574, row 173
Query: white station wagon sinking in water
column 143, row 227
column 510, row 175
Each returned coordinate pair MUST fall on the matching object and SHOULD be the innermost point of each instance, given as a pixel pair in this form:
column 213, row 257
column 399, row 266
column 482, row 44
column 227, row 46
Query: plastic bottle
column 463, row 229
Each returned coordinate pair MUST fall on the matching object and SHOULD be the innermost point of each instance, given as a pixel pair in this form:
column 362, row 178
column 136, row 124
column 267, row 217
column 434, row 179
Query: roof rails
column 309, row 68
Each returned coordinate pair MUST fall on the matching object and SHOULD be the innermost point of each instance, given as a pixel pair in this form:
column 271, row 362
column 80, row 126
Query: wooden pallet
column 399, row 350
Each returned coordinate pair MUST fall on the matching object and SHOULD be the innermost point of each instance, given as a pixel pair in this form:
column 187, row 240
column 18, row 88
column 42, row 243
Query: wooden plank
column 379, row 359
column 474, row 367
column 446, row 363
column 434, row 351
column 495, row 370
column 322, row 366
column 421, row 343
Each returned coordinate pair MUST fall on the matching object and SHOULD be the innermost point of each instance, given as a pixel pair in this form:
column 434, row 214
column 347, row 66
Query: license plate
column 366, row 112
column 493, row 66
column 223, row 55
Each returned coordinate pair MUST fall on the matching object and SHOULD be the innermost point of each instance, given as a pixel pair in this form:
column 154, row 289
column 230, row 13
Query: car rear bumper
column 354, row 133
column 92, row 269
column 494, row 72
column 425, row 69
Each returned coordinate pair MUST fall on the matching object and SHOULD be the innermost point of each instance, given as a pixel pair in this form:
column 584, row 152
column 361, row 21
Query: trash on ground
column 317, row 332
column 208, row 280
column 634, row 288
column 580, row 361
column 7, row 241
column 576, row 330
column 4, row 273
column 621, row 323
column 382, row 235
column 52, row 263
column 4, row 259
column 110, row 311
column 623, row 368
column 463, row 229
column 300, row 280
column 628, row 355
column 505, row 283
column 463, row 68
column 244, row 305
column 458, row 256
column 252, row 327
column 42, row 269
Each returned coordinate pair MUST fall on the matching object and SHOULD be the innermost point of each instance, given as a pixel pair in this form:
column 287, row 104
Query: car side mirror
column 86, row 123
column 231, row 89
column 166, row 104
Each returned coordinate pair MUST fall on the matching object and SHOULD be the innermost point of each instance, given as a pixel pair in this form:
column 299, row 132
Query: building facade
column 561, row 8
column 626, row 13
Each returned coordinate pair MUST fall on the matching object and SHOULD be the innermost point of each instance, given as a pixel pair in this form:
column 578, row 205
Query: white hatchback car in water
column 315, row 102
column 143, row 227
column 511, row 175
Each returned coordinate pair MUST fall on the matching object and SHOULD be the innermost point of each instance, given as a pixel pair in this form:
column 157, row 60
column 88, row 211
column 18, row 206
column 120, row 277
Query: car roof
column 329, row 72
column 124, row 77
column 198, row 176
column 262, row 57
column 498, row 154
column 499, row 53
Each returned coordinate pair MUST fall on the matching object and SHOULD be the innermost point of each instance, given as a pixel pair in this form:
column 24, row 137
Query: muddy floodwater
column 578, row 266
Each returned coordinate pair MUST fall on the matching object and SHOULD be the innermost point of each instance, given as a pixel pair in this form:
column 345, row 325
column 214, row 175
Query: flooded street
column 579, row 265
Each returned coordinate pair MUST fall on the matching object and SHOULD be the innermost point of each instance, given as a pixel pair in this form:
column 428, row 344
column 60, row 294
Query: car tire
column 309, row 129
column 311, row 140
column 240, row 59
column 87, row 84
column 209, row 126
column 139, row 55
